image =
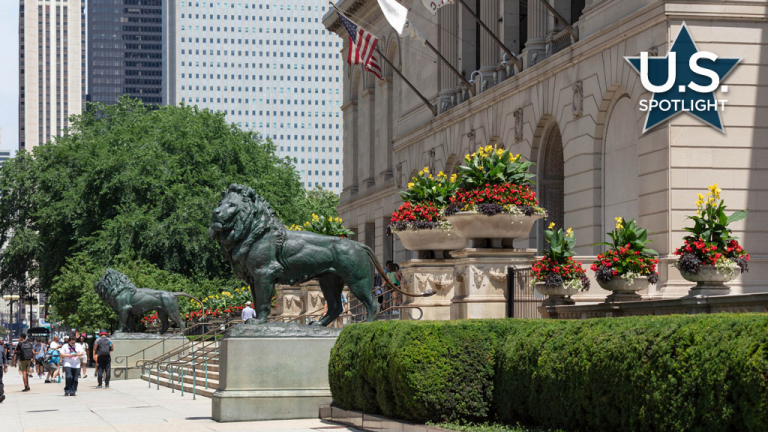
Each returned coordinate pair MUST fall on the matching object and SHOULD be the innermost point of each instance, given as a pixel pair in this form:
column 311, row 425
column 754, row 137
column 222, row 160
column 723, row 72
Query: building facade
column 270, row 66
column 573, row 110
column 51, row 67
column 126, row 50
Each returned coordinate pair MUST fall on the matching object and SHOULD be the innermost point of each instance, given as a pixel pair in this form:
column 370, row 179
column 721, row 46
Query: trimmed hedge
column 669, row 373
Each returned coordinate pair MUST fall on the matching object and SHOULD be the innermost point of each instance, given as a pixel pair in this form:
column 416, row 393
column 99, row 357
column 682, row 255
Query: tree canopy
column 129, row 184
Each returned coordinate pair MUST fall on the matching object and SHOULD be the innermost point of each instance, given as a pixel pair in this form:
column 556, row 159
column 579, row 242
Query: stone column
column 349, row 115
column 365, row 139
column 489, row 48
column 537, row 31
column 383, row 145
column 448, row 45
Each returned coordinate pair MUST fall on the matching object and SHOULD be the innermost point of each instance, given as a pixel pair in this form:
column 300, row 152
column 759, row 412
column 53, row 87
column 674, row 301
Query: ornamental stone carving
column 518, row 125
column 578, row 100
column 498, row 274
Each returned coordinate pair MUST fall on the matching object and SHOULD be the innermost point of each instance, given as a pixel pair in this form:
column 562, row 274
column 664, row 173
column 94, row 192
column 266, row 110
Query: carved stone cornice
column 348, row 104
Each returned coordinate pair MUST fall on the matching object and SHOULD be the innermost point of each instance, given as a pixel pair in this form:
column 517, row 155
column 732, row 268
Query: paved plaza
column 125, row 406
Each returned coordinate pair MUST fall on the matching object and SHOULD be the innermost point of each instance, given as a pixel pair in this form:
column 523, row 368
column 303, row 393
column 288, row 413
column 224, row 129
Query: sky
column 9, row 74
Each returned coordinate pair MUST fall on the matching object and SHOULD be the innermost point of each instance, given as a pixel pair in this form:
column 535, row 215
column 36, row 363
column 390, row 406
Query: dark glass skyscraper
column 125, row 50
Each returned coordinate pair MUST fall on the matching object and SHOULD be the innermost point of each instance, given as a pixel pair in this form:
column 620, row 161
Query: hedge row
column 671, row 373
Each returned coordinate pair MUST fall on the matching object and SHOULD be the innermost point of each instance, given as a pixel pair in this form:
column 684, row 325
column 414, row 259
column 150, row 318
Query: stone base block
column 700, row 291
column 623, row 296
column 273, row 372
column 423, row 274
column 138, row 346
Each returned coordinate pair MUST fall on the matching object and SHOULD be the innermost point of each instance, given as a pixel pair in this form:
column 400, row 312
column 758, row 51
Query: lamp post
column 10, row 299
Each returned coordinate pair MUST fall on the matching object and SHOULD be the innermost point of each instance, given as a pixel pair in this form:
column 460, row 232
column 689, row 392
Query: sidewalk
column 125, row 406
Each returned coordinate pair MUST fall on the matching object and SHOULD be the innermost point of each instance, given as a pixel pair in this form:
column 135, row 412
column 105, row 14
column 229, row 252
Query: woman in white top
column 85, row 347
column 71, row 353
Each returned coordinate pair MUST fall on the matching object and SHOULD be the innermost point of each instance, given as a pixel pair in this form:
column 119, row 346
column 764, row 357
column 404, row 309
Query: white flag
column 395, row 13
column 414, row 33
column 434, row 5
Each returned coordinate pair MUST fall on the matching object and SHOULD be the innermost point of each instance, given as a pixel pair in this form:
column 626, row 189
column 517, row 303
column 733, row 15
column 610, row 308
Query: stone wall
column 584, row 98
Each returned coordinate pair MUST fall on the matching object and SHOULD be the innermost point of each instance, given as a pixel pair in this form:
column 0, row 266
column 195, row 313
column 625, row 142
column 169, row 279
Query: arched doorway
column 551, row 179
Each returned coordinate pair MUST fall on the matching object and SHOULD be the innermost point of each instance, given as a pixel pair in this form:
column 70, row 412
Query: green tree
column 322, row 202
column 136, row 183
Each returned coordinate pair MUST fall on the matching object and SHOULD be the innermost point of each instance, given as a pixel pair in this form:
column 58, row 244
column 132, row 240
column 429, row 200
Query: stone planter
column 709, row 281
column 558, row 295
column 500, row 226
column 622, row 291
column 437, row 240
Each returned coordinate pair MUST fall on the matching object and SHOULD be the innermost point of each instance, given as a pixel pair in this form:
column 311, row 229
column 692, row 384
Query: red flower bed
column 708, row 253
column 504, row 194
column 571, row 269
column 408, row 212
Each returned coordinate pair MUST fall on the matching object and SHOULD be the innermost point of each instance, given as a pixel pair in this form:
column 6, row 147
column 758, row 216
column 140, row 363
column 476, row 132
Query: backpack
column 102, row 346
column 52, row 356
column 26, row 351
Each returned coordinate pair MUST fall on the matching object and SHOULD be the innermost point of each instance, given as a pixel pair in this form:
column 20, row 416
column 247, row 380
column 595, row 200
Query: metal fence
column 521, row 298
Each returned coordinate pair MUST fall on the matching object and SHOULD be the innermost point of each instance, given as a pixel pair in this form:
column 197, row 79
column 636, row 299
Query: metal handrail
column 199, row 338
column 124, row 358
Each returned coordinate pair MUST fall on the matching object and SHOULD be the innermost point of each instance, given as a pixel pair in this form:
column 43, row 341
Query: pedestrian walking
column 85, row 346
column 102, row 352
column 23, row 356
column 55, row 345
column 51, row 362
column 248, row 312
column 3, row 369
column 39, row 351
column 72, row 353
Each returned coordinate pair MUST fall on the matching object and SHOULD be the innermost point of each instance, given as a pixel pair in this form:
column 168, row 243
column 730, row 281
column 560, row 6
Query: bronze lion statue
column 263, row 253
column 117, row 290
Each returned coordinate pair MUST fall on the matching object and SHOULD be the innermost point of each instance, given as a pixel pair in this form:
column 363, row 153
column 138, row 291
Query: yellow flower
column 453, row 177
column 499, row 152
column 410, row 185
column 315, row 217
column 488, row 148
column 421, row 173
column 551, row 225
column 226, row 293
column 441, row 174
column 426, row 169
column 700, row 197
column 569, row 233
column 430, row 176
column 467, row 157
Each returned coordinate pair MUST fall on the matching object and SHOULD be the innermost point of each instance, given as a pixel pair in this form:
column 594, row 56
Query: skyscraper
column 51, row 66
column 271, row 67
column 126, row 54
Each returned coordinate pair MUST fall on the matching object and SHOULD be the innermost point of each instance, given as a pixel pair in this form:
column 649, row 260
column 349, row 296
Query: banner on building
column 434, row 5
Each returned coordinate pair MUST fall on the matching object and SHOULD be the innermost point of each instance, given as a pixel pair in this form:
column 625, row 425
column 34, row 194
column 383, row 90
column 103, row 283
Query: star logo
column 683, row 81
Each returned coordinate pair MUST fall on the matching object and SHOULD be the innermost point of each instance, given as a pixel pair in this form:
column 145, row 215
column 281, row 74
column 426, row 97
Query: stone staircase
column 191, row 379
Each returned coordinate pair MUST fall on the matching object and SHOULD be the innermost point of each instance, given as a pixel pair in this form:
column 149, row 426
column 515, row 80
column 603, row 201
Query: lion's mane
column 114, row 283
column 254, row 219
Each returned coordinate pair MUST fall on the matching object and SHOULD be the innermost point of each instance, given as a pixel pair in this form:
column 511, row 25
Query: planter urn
column 502, row 226
column 436, row 239
column 709, row 281
column 556, row 296
column 621, row 291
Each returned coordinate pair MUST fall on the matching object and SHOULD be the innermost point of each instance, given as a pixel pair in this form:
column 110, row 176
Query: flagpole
column 573, row 32
column 450, row 66
column 394, row 69
column 514, row 58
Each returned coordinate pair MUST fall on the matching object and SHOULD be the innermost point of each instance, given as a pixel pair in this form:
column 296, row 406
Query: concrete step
column 200, row 389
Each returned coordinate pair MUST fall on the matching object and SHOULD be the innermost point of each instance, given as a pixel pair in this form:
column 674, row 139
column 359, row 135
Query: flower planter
column 500, row 226
column 431, row 240
column 622, row 291
column 709, row 281
column 556, row 296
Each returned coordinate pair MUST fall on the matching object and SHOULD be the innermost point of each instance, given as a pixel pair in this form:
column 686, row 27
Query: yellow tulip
column 551, row 225
column 410, row 185
column 569, row 233
column 426, row 169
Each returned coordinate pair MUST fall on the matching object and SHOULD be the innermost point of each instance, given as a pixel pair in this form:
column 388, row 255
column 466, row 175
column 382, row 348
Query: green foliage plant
column 557, row 268
column 628, row 255
column 330, row 226
column 653, row 373
column 711, row 241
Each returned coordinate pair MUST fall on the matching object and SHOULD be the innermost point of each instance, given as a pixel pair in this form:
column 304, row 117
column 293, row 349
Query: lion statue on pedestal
column 117, row 290
column 263, row 253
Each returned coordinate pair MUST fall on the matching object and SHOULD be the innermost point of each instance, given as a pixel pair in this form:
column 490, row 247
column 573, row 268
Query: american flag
column 361, row 47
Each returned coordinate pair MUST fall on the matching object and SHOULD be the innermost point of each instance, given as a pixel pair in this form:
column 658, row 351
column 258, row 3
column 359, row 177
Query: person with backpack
column 102, row 350
column 39, row 351
column 23, row 356
column 51, row 362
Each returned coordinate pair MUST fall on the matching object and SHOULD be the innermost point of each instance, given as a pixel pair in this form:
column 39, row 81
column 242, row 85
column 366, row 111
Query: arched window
column 551, row 188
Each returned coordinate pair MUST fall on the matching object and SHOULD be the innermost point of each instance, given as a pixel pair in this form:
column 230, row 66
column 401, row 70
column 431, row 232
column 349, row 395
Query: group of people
column 54, row 357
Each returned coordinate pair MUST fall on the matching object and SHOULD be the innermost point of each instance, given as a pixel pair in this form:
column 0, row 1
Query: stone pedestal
column 273, row 372
column 138, row 346
column 420, row 274
column 481, row 280
column 288, row 302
